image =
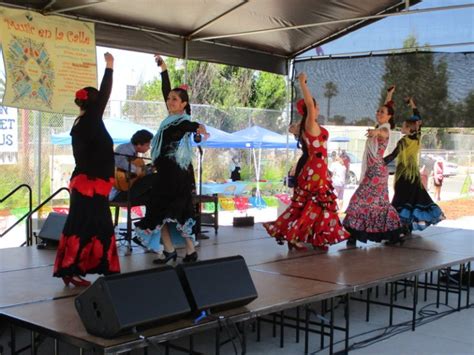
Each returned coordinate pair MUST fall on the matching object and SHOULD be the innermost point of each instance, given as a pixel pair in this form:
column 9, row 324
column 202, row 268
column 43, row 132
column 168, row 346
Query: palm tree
column 330, row 90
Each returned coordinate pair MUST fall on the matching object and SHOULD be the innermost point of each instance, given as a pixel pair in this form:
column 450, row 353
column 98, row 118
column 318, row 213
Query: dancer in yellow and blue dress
column 412, row 202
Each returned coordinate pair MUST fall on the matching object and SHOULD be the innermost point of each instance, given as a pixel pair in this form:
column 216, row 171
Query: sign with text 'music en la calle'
column 47, row 58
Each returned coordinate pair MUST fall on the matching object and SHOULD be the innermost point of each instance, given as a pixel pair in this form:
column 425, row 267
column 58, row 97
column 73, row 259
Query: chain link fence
column 47, row 167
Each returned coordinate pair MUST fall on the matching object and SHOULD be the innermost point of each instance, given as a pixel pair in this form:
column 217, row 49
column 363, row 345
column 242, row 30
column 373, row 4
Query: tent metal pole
column 383, row 51
column 325, row 23
column 186, row 44
column 66, row 9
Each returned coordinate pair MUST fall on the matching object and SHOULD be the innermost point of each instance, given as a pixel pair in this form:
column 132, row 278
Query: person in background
column 171, row 200
column 139, row 180
column 87, row 243
column 438, row 177
column 347, row 162
column 338, row 171
column 235, row 169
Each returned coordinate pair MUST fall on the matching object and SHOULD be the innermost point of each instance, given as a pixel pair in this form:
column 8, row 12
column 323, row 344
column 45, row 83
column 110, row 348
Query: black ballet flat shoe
column 280, row 241
column 395, row 241
column 351, row 242
column 190, row 258
column 168, row 256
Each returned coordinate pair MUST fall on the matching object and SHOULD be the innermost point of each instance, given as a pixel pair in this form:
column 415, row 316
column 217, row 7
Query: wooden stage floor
column 30, row 297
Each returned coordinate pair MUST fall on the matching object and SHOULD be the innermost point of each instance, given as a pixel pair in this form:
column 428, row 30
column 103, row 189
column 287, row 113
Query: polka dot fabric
column 312, row 214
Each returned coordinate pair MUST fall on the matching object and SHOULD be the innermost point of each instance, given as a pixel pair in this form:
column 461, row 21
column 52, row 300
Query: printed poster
column 47, row 59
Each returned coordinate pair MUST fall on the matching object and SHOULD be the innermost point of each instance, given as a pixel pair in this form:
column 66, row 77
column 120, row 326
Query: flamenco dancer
column 312, row 214
column 173, row 185
column 87, row 243
column 369, row 215
column 411, row 200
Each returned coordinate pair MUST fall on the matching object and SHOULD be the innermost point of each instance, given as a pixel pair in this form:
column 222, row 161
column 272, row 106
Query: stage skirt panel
column 87, row 243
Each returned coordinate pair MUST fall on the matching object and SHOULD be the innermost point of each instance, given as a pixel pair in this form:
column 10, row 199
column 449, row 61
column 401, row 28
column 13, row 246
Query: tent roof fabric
column 246, row 33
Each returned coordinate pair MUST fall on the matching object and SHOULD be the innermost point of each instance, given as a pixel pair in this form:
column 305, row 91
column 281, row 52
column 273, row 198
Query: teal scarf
column 182, row 152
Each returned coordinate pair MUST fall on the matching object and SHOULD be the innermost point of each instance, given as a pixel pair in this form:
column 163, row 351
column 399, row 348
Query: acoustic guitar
column 121, row 178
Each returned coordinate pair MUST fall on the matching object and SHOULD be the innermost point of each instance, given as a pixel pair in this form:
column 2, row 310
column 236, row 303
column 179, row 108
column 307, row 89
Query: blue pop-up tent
column 220, row 139
column 259, row 137
column 120, row 130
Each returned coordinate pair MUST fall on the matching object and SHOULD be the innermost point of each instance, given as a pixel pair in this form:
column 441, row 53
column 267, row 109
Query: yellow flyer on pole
column 47, row 58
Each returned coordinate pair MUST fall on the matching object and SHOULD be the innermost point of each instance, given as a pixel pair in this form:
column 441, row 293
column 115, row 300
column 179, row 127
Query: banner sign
column 8, row 130
column 47, row 59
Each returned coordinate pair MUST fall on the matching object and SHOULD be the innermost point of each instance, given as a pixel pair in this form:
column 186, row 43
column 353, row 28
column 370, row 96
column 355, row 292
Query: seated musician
column 138, row 179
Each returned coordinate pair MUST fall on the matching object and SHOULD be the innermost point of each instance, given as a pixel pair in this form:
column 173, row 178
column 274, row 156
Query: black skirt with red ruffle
column 87, row 244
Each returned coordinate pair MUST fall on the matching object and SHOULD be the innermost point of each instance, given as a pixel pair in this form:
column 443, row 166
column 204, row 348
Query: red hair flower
column 184, row 87
column 390, row 104
column 82, row 94
column 300, row 105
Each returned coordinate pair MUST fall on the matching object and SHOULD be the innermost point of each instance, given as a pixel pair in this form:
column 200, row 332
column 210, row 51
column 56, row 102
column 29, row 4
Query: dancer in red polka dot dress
column 312, row 214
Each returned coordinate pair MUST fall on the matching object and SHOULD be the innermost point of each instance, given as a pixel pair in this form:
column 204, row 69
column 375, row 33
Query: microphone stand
column 128, row 233
column 199, row 234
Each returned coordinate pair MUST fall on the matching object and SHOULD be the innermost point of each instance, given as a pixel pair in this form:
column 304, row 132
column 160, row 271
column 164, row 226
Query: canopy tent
column 219, row 139
column 339, row 139
column 259, row 137
column 119, row 129
column 261, row 34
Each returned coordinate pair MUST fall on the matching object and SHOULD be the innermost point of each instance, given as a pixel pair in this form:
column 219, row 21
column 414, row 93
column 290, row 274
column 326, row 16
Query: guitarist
column 138, row 179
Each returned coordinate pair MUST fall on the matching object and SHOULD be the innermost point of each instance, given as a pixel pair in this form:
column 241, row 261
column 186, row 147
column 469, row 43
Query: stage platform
column 31, row 298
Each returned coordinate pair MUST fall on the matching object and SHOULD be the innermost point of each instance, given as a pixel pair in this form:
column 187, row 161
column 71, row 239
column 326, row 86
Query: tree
column 364, row 121
column 268, row 91
column 330, row 90
column 417, row 75
column 224, row 87
column 339, row 120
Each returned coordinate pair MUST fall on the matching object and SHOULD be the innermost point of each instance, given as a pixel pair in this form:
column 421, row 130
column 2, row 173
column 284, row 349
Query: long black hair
column 391, row 112
column 301, row 144
column 184, row 96
column 92, row 96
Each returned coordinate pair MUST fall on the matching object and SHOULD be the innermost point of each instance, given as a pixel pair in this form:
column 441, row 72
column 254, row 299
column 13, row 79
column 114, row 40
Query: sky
column 434, row 28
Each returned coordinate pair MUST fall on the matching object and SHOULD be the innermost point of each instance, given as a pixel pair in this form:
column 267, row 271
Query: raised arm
column 311, row 124
column 412, row 104
column 106, row 84
column 165, row 79
column 390, row 92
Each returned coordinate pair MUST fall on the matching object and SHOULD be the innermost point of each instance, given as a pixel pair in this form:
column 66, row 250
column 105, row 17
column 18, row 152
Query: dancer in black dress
column 173, row 185
column 412, row 202
column 87, row 244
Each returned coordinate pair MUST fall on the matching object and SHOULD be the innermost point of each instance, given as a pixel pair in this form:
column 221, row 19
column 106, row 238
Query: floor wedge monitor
column 217, row 284
column 118, row 304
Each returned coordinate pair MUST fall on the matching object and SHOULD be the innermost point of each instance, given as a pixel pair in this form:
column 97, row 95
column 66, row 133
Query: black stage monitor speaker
column 217, row 284
column 116, row 304
column 52, row 228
